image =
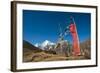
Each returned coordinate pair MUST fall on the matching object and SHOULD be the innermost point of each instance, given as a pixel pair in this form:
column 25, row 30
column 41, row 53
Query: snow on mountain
column 37, row 45
column 44, row 44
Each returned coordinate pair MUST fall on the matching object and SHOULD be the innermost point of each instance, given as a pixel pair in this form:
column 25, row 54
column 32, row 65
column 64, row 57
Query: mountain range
column 44, row 44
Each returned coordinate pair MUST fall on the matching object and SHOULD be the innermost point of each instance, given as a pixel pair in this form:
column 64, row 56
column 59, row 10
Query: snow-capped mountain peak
column 46, row 42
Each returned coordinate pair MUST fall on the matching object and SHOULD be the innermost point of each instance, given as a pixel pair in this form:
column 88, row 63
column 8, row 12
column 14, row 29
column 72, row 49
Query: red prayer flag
column 76, row 46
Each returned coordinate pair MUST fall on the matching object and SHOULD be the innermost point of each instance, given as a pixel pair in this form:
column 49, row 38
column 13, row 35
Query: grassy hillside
column 29, row 46
column 86, row 48
column 29, row 49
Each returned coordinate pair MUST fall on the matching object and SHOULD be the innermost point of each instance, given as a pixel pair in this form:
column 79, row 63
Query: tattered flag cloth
column 76, row 46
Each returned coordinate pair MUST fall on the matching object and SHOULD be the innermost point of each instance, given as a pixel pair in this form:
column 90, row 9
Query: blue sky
column 39, row 26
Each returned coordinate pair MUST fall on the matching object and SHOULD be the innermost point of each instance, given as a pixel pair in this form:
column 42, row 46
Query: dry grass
column 42, row 56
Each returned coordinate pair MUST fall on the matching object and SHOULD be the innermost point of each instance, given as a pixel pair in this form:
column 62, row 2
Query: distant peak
column 44, row 44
